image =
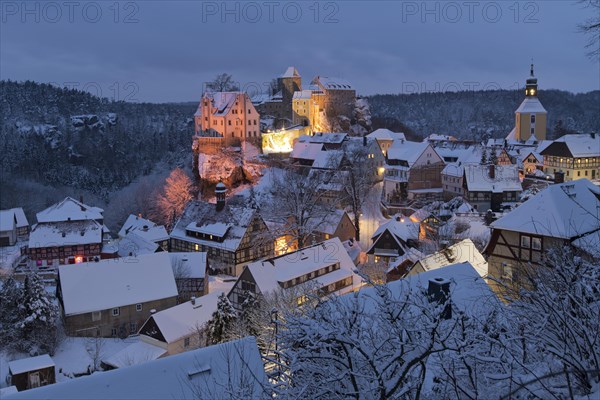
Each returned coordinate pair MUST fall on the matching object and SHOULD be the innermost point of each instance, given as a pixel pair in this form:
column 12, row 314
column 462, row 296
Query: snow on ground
column 72, row 356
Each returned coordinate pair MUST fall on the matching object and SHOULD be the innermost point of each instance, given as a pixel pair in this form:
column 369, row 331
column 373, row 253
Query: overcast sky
column 165, row 51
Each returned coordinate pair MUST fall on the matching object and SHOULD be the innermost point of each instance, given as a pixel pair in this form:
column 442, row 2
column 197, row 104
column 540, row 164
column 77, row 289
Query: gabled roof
column 189, row 264
column 463, row 251
column 302, row 94
column 135, row 245
column 506, row 178
column 200, row 373
column 236, row 215
column 386, row 134
column 186, row 318
column 330, row 83
column 531, row 105
column 330, row 223
column 291, row 72
column 69, row 209
column 565, row 210
column 106, row 284
column 21, row 218
column 7, row 220
column 222, row 101
column 574, row 145
column 58, row 234
column 324, row 137
column 306, row 151
column 136, row 353
column 30, row 364
column 144, row 228
column 404, row 150
column 402, row 228
column 269, row 273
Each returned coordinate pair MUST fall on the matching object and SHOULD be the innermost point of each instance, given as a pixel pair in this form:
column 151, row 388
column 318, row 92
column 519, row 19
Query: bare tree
column 359, row 179
column 95, row 349
column 591, row 27
column 223, row 83
column 299, row 203
column 177, row 192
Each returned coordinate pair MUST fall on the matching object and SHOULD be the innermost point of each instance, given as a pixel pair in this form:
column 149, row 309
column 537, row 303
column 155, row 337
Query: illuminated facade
column 530, row 117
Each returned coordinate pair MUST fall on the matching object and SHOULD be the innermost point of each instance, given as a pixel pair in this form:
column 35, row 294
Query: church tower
column 530, row 117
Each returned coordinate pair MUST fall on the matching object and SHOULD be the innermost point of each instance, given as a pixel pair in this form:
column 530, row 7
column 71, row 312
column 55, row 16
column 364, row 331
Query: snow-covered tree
column 221, row 321
column 371, row 346
column 484, row 159
column 177, row 192
column 493, row 157
column 37, row 325
column 11, row 297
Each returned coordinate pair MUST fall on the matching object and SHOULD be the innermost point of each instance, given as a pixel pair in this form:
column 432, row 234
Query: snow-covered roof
column 214, row 229
column 324, row 137
column 144, row 228
column 200, row 373
column 435, row 137
column 189, row 264
column 270, row 273
column 134, row 245
column 401, row 227
column 65, row 234
column 404, row 150
column 579, row 145
column 222, row 102
column 7, row 220
column 330, row 83
column 506, row 178
column 386, row 134
column 565, row 210
column 463, row 251
column 589, row 243
column 106, row 284
column 531, row 105
column 184, row 319
column 411, row 255
column 5, row 391
column 69, row 209
column 330, row 159
column 30, row 364
column 291, row 72
column 306, row 151
column 136, row 353
column 20, row 214
column 302, row 94
column 329, row 223
column 202, row 213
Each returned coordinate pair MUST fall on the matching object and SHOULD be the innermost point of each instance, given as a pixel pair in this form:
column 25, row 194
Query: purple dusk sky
column 165, row 51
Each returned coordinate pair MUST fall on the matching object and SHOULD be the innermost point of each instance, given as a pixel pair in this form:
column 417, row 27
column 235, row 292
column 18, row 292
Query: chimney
column 364, row 141
column 153, row 311
column 593, row 135
column 81, row 198
column 220, row 192
column 193, row 300
column 145, row 228
column 439, row 292
column 492, row 171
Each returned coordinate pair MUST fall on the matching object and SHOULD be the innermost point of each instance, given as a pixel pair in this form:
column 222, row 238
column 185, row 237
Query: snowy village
column 297, row 244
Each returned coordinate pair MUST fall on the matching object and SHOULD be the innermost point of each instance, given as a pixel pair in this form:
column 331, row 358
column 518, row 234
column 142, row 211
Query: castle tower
column 220, row 191
column 530, row 117
column 289, row 82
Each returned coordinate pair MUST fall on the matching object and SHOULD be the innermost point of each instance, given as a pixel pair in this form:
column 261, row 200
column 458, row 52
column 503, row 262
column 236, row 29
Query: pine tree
column 10, row 312
column 483, row 157
column 221, row 320
column 38, row 322
column 493, row 157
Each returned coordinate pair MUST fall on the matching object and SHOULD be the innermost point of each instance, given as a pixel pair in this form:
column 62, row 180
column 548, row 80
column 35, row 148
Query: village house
column 393, row 239
column 112, row 298
column 336, row 224
column 146, row 229
column 385, row 138
column 324, row 269
column 230, row 232
column 562, row 214
column 68, row 232
column 486, row 187
column 180, row 328
column 412, row 173
column 31, row 372
column 13, row 226
column 576, row 156
column 195, row 374
column 463, row 251
column 191, row 274
column 227, row 115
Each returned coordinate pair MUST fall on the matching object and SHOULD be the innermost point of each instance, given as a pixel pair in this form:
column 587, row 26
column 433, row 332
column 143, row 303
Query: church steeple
column 531, row 84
